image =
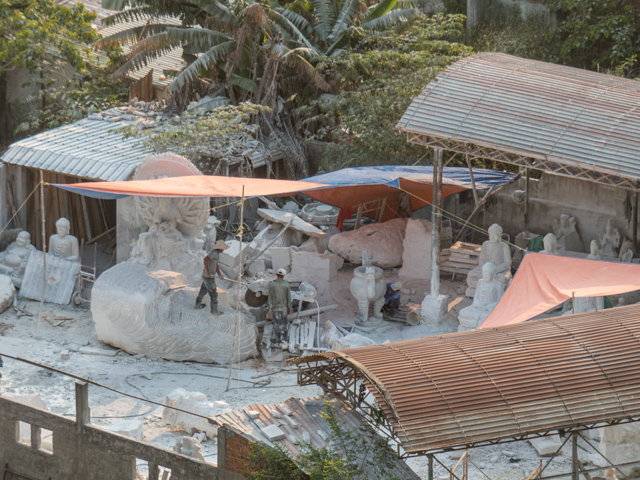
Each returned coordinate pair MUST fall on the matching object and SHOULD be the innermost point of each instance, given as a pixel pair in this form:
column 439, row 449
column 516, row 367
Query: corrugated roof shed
column 538, row 110
column 91, row 148
column 496, row 385
column 295, row 417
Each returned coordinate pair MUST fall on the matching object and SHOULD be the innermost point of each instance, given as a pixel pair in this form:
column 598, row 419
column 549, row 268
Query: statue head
column 595, row 250
column 168, row 225
column 23, row 239
column 212, row 222
column 564, row 220
column 550, row 243
column 62, row 227
column 488, row 272
column 495, row 233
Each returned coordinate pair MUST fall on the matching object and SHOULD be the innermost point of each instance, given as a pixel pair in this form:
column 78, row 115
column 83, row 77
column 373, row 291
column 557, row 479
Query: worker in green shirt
column 279, row 306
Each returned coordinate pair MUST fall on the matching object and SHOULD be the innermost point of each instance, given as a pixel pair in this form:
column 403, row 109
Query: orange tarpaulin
column 545, row 281
column 191, row 186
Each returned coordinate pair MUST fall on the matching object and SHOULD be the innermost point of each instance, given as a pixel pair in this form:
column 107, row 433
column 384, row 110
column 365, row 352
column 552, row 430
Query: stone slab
column 280, row 257
column 273, row 433
column 61, row 277
column 315, row 266
column 128, row 428
column 107, row 352
column 416, row 255
column 298, row 224
column 546, row 446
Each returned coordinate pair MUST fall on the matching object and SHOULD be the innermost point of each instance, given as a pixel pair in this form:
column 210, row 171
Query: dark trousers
column 208, row 287
column 280, row 330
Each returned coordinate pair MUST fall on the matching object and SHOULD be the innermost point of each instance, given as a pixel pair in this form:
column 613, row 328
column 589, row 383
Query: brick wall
column 237, row 453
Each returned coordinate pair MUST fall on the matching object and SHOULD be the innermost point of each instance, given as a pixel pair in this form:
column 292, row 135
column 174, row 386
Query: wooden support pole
column 430, row 459
column 358, row 217
column 240, row 265
column 473, row 183
column 634, row 221
column 575, row 464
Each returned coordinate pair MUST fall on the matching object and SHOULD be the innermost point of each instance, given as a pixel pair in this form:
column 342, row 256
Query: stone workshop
column 157, row 322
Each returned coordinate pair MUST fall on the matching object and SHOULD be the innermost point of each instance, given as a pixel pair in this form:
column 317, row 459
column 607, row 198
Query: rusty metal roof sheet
column 91, row 149
column 513, row 382
column 540, row 110
column 295, row 417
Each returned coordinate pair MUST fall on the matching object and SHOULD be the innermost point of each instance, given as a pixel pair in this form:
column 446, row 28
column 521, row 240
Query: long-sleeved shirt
column 279, row 296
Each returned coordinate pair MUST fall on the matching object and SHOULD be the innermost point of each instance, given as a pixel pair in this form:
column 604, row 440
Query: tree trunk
column 4, row 107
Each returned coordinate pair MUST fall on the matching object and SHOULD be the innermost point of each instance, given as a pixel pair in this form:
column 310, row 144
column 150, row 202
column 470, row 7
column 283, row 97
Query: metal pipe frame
column 526, row 160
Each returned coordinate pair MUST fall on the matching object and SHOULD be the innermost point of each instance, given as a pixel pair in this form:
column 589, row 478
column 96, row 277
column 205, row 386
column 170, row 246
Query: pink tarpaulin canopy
column 191, row 186
column 545, row 281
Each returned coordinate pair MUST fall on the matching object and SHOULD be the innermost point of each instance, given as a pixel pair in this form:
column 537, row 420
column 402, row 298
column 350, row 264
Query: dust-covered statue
column 63, row 245
column 493, row 251
column 564, row 228
column 174, row 224
column 13, row 260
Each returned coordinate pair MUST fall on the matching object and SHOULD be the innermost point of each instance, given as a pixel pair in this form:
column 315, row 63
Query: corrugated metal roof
column 297, row 416
column 91, row 5
column 541, row 110
column 479, row 387
column 91, row 149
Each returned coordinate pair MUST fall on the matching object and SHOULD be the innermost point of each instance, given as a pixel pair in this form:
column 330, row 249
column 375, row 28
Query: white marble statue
column 493, row 251
column 610, row 242
column 565, row 231
column 487, row 295
column 626, row 251
column 210, row 233
column 13, row 260
column 61, row 244
column 550, row 244
column 174, row 239
column 367, row 286
column 584, row 304
column 594, row 253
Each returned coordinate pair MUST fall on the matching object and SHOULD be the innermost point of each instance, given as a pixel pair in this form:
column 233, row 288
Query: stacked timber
column 461, row 258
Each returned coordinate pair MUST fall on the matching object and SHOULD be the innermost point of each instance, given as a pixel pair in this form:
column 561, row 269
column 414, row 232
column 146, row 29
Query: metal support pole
column 575, row 464
column 435, row 222
column 526, row 198
column 430, row 459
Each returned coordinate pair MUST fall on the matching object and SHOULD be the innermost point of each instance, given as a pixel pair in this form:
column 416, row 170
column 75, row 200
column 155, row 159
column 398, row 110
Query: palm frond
column 243, row 82
column 142, row 53
column 200, row 38
column 392, row 18
column 381, row 8
column 132, row 35
column 218, row 10
column 289, row 28
column 136, row 14
column 205, row 61
column 115, row 4
column 350, row 9
column 323, row 18
column 298, row 20
column 296, row 58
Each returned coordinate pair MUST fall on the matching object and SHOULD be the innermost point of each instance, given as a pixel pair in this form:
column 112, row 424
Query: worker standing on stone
column 208, row 279
column 279, row 306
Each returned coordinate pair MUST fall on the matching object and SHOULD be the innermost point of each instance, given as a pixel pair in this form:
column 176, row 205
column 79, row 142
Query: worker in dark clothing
column 280, row 306
column 208, row 280
column 392, row 297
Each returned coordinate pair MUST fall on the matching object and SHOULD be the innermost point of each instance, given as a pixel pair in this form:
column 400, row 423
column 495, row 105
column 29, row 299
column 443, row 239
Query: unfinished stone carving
column 550, row 244
column 320, row 213
column 564, row 228
column 210, row 233
column 487, row 295
column 621, row 444
column 174, row 225
column 493, row 251
column 416, row 255
column 367, row 286
column 594, row 251
column 195, row 402
column 610, row 242
column 151, row 312
column 190, row 447
column 584, row 305
column 13, row 261
column 63, row 245
column 7, row 292
column 384, row 241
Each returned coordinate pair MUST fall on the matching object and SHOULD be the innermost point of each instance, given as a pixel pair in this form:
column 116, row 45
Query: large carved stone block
column 151, row 312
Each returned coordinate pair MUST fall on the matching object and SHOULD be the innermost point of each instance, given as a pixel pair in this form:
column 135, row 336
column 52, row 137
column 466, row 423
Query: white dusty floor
column 70, row 328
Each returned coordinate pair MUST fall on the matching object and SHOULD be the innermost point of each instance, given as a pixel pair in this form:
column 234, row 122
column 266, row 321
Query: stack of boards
column 460, row 258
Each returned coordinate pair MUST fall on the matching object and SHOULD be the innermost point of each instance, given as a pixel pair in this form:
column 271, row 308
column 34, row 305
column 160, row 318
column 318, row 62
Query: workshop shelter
column 490, row 386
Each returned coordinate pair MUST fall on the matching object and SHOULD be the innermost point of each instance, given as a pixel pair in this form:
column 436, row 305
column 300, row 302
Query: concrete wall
column 590, row 203
column 81, row 451
column 500, row 10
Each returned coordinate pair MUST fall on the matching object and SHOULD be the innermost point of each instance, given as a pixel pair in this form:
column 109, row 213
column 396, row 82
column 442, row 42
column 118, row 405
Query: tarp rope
column 20, row 208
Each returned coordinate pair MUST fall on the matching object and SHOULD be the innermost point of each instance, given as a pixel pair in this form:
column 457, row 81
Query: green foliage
column 203, row 136
column 598, row 34
column 455, row 6
column 377, row 83
column 53, row 43
column 348, row 455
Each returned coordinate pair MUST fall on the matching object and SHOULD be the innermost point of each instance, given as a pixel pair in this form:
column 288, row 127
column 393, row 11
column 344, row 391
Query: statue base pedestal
column 434, row 309
column 369, row 326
